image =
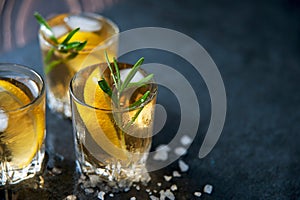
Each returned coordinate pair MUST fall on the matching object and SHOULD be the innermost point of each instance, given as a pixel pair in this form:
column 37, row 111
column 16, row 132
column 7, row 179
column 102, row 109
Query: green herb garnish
column 71, row 49
column 121, row 87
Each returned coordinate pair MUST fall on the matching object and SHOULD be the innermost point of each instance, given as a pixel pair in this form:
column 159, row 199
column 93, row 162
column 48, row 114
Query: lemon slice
column 98, row 122
column 19, row 137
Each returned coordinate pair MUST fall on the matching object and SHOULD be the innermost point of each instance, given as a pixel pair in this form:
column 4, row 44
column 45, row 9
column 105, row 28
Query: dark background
column 256, row 46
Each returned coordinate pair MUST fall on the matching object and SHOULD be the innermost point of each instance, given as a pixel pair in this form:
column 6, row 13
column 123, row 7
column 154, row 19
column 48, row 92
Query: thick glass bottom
column 13, row 176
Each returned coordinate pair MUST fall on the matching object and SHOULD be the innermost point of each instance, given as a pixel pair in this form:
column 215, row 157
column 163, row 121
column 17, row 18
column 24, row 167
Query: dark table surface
column 256, row 46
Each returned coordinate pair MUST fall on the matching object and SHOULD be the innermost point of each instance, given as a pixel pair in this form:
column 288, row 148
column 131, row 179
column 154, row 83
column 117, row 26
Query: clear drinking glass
column 60, row 65
column 112, row 143
column 22, row 123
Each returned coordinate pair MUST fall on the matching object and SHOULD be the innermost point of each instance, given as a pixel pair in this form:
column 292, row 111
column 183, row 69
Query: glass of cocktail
column 68, row 43
column 112, row 115
column 22, row 123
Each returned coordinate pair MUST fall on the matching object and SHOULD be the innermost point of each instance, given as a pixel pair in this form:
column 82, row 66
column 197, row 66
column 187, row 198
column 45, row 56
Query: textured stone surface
column 256, row 46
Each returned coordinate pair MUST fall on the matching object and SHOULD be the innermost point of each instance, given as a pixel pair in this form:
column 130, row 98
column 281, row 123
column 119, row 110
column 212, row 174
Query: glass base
column 13, row 176
column 113, row 177
column 58, row 105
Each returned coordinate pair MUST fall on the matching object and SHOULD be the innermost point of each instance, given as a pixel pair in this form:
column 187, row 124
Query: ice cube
column 59, row 30
column 124, row 72
column 3, row 121
column 85, row 23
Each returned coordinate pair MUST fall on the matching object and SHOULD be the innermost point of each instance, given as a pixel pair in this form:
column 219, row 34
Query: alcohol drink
column 22, row 123
column 111, row 142
column 60, row 66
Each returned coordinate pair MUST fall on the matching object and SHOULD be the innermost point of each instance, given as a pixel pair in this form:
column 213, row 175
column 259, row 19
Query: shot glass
column 22, row 123
column 60, row 64
column 112, row 143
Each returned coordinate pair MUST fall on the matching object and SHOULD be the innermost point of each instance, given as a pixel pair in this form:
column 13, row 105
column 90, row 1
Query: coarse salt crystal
column 161, row 152
column 186, row 140
column 88, row 190
column 180, row 151
column 152, row 197
column 183, row 166
column 208, row 189
column 168, row 178
column 176, row 174
column 197, row 194
column 174, row 187
column 137, row 187
column 70, row 197
column 111, row 195
column 169, row 194
column 101, row 195
column 133, row 198
column 159, row 184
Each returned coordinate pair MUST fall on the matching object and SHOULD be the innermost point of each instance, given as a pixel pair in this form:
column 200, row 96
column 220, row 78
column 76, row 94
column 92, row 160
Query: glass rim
column 153, row 92
column 31, row 73
column 102, row 45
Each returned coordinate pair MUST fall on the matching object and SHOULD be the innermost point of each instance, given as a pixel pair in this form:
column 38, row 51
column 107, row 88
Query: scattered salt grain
column 159, row 184
column 180, row 151
column 111, row 195
column 154, row 197
column 94, row 180
column 132, row 198
column 126, row 189
column 176, row 174
column 208, row 188
column 174, row 187
column 70, row 197
column 101, row 195
column 155, row 191
column 161, row 153
column 183, row 166
column 88, row 190
column 137, row 188
column 168, row 178
column 148, row 190
column 56, row 171
column 166, row 194
column 197, row 194
column 186, row 140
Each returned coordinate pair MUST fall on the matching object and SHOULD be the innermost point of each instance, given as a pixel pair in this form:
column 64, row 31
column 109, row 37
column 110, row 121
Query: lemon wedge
column 19, row 139
column 100, row 123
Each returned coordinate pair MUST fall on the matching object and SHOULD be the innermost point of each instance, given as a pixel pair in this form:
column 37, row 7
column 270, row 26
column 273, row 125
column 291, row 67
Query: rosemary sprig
column 123, row 86
column 65, row 47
